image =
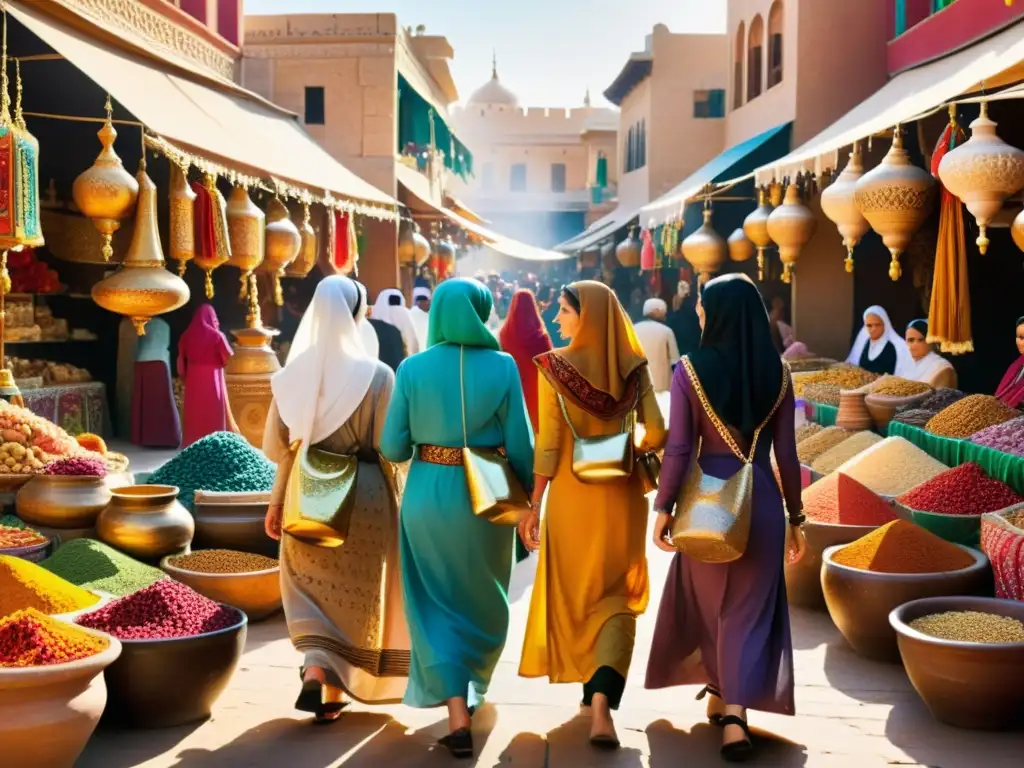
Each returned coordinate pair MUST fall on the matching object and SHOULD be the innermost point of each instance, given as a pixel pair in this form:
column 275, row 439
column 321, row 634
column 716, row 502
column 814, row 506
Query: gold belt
column 447, row 457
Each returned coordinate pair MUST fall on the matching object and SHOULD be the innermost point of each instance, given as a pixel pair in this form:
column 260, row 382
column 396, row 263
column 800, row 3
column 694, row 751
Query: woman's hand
column 272, row 522
column 662, row 532
column 796, row 544
column 529, row 529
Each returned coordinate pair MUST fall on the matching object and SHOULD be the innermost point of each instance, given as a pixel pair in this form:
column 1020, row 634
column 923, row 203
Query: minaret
column 586, row 98
column 494, row 64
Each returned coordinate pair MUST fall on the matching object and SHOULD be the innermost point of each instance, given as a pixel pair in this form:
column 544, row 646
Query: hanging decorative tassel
column 647, row 255
column 949, row 314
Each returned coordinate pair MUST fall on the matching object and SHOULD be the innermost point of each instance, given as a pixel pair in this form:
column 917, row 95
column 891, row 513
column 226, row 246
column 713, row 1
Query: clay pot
column 859, row 602
column 853, row 413
column 232, row 525
column 803, row 579
column 47, row 714
column 258, row 594
column 62, row 501
column 146, row 522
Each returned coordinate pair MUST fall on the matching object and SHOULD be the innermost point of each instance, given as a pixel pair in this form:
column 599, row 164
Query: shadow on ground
column 701, row 746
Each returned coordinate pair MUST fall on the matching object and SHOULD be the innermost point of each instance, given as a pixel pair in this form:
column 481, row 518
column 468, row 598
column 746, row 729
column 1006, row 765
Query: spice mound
column 32, row 639
column 826, row 394
column 78, row 466
column 963, row 490
column 93, row 565
column 14, row 538
column 222, row 561
column 971, row 627
column 26, row 585
column 810, row 429
column 222, row 462
column 165, row 610
column 834, row 458
column 841, row 500
column 915, row 417
column 892, row 467
column 842, row 376
column 902, row 547
column 13, row 521
column 811, row 448
column 894, row 386
column 972, row 414
column 1007, row 437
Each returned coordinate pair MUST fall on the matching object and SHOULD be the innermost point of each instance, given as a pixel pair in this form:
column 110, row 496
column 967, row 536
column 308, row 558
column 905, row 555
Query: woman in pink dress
column 202, row 354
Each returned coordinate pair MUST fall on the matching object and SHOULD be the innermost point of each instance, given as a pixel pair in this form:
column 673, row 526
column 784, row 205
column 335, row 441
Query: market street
column 852, row 714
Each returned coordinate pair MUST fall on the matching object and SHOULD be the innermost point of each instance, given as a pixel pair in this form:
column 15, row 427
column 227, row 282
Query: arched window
column 642, row 159
column 755, row 58
column 738, row 52
column 775, row 44
column 629, row 150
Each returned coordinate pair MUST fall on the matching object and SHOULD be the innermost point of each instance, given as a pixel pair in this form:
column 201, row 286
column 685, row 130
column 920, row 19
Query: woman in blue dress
column 455, row 566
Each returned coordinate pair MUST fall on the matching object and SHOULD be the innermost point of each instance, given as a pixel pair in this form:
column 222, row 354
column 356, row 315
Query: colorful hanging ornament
column 791, row 226
column 705, row 249
column 246, row 224
column 20, row 224
column 628, row 251
column 182, row 235
column 345, row 253
column 213, row 246
column 647, row 253
column 444, row 259
column 755, row 226
column 306, row 259
column 839, row 205
column 283, row 243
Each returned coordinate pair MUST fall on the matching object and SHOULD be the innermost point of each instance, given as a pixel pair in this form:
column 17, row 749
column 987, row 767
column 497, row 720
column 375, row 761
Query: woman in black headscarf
column 726, row 626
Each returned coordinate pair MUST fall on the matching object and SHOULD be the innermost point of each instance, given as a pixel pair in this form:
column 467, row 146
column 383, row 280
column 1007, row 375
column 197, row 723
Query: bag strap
column 631, row 413
column 462, row 390
column 717, row 422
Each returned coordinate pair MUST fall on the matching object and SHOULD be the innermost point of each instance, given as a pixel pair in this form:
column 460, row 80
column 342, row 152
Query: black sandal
column 311, row 700
column 604, row 742
column 458, row 743
column 710, row 690
column 737, row 751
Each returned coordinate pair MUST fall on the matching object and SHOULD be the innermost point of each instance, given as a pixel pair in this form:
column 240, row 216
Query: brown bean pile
column 810, row 429
column 826, row 394
column 894, row 386
column 971, row 627
column 811, row 448
column 972, row 414
column 842, row 376
column 222, row 561
column 834, row 458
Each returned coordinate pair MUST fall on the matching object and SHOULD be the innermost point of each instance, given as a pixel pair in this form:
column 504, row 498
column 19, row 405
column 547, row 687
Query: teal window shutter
column 901, row 17
column 602, row 172
column 716, row 103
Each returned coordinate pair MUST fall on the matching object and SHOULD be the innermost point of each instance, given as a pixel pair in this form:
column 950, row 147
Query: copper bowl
column 34, row 553
column 803, row 579
column 237, row 526
column 257, row 593
column 966, row 685
column 859, row 602
column 165, row 683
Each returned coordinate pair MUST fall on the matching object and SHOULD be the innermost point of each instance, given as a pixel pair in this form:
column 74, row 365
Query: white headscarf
column 904, row 361
column 329, row 371
column 368, row 332
column 398, row 316
column 931, row 364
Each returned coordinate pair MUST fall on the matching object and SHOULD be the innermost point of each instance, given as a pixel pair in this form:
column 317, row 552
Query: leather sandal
column 459, row 743
column 604, row 742
column 737, row 751
column 710, row 690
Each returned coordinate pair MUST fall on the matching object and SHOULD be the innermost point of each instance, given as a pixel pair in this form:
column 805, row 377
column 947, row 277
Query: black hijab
column 737, row 364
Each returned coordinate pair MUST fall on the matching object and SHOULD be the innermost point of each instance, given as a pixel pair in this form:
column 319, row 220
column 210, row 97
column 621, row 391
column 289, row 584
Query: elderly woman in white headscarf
column 420, row 314
column 343, row 605
column 878, row 348
column 390, row 308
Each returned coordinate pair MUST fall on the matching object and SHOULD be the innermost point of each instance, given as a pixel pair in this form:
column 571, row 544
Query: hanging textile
column 647, row 255
column 345, row 251
column 949, row 313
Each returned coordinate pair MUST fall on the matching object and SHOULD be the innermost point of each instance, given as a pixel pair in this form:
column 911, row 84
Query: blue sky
column 549, row 51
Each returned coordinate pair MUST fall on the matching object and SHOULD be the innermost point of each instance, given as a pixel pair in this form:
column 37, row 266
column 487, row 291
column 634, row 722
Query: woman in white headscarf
column 369, row 335
column 343, row 606
column 390, row 308
column 420, row 314
column 927, row 364
column 878, row 348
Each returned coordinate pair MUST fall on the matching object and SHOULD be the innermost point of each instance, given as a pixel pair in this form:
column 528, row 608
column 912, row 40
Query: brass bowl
column 62, row 501
column 146, row 522
column 47, row 714
column 966, row 685
column 803, row 579
column 232, row 526
column 860, row 602
column 166, row 683
column 34, row 553
column 258, row 593
column 13, row 482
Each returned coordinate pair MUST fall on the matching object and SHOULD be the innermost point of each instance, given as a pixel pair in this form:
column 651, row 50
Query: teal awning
column 739, row 160
column 419, row 124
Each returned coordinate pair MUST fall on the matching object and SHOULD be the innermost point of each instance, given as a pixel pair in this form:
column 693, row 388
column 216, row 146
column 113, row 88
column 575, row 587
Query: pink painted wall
column 229, row 20
column 197, row 9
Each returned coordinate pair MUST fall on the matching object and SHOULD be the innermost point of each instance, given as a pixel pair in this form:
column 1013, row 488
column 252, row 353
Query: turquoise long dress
column 455, row 566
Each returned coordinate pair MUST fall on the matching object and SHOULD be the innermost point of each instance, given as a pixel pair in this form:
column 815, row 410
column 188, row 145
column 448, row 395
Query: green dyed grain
column 12, row 521
column 95, row 566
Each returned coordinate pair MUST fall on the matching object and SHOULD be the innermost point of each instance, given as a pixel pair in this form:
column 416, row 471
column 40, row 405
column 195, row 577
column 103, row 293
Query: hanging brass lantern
column 444, row 256
column 1017, row 230
column 983, row 172
column 20, row 223
column 106, row 192
column 245, row 232
column 183, row 213
column 413, row 247
column 755, row 226
column 306, row 259
column 740, row 247
column 838, row 204
column 791, row 226
column 705, row 249
column 628, row 251
column 283, row 245
column 142, row 288
column 896, row 199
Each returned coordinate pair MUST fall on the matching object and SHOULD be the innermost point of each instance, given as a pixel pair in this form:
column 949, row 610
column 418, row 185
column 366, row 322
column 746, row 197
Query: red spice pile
column 840, row 500
column 164, row 610
column 77, row 465
column 31, row 639
column 963, row 490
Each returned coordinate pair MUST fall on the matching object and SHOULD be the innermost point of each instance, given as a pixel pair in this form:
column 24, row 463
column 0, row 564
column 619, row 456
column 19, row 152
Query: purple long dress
column 727, row 625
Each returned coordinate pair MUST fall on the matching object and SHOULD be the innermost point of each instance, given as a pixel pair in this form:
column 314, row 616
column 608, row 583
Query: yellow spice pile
column 972, row 414
column 842, row 376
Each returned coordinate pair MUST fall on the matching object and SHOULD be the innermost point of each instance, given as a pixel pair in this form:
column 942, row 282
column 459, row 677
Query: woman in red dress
column 524, row 337
column 202, row 354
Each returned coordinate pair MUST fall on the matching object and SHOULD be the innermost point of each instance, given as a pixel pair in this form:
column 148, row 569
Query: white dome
column 494, row 93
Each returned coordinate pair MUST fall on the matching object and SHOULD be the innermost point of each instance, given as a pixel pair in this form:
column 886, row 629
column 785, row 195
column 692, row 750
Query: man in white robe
column 658, row 342
column 390, row 308
column 420, row 314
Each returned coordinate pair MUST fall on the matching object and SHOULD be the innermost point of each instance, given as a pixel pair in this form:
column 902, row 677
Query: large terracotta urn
column 248, row 375
column 839, row 205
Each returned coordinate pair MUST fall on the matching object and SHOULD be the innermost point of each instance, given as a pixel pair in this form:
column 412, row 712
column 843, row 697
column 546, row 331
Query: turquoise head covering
column 458, row 314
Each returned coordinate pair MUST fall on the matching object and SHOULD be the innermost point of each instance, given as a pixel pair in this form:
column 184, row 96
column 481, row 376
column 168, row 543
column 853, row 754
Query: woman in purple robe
column 726, row 626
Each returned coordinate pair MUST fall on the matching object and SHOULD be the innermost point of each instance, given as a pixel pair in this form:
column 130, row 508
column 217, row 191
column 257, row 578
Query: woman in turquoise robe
column 455, row 566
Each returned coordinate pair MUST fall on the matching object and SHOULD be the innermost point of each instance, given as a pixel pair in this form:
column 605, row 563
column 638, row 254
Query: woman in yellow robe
column 591, row 580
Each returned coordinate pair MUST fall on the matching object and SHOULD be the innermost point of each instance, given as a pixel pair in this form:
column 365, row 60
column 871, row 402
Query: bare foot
column 602, row 728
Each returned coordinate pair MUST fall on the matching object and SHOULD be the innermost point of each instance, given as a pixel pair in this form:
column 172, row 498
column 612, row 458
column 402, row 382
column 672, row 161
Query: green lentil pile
column 971, row 627
column 12, row 521
column 222, row 462
column 95, row 566
column 810, row 449
column 222, row 561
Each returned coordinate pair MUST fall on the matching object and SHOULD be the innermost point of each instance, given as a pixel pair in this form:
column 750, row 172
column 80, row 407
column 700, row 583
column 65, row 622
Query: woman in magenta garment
column 202, row 354
column 1011, row 388
column 524, row 337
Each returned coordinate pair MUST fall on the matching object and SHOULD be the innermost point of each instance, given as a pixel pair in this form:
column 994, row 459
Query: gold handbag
column 320, row 497
column 604, row 458
column 712, row 520
column 495, row 493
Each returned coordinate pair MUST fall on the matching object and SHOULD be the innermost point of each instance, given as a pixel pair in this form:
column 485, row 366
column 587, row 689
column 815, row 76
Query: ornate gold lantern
column 705, row 249
column 983, row 172
column 628, row 251
column 245, row 232
column 142, row 288
column 183, row 211
column 740, row 246
column 106, row 192
column 216, row 251
column 896, row 198
column 282, row 246
column 791, row 226
column 413, row 247
column 755, row 226
column 306, row 259
column 838, row 204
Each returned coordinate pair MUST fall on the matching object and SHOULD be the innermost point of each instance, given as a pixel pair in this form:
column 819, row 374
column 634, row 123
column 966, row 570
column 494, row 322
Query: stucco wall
column 634, row 186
